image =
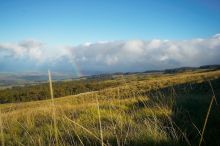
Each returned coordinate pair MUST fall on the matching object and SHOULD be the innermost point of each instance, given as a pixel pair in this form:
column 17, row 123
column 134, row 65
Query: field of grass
column 150, row 110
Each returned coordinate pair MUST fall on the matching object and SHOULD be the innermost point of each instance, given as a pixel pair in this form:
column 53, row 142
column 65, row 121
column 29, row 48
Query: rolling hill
column 140, row 109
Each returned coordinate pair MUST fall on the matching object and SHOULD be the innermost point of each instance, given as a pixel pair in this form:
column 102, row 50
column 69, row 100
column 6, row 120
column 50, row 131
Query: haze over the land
column 94, row 37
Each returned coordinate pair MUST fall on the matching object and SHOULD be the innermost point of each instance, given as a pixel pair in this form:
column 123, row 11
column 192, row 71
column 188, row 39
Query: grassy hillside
column 161, row 109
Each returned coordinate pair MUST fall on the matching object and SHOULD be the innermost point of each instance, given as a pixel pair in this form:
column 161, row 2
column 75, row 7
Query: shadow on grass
column 190, row 108
column 189, row 103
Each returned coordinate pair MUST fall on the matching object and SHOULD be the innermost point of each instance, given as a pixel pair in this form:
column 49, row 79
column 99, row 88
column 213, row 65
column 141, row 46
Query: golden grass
column 53, row 109
column 1, row 130
column 118, row 116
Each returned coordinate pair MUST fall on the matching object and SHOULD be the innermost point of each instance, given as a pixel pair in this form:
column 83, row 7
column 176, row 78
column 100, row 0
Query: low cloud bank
column 131, row 55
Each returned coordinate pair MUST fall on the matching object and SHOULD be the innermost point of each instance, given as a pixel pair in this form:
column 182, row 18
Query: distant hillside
column 210, row 67
column 12, row 79
column 183, row 69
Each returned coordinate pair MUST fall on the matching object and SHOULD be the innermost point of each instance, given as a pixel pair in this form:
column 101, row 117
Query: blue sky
column 96, row 36
column 61, row 22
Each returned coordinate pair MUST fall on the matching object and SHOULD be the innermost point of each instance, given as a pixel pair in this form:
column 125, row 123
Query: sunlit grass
column 137, row 113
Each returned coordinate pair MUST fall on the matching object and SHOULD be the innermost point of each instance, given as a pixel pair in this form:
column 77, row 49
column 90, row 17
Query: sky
column 95, row 36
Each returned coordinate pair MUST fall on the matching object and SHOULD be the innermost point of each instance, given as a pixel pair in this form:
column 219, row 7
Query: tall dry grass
column 53, row 110
column 124, row 115
column 213, row 98
column 1, row 129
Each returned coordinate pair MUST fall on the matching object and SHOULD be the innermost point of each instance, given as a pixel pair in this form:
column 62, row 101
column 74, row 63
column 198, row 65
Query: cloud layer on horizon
column 113, row 56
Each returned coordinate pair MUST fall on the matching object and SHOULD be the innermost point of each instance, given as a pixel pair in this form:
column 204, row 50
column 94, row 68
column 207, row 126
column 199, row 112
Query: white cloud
column 111, row 60
column 29, row 48
column 154, row 44
column 131, row 55
column 134, row 55
column 134, row 46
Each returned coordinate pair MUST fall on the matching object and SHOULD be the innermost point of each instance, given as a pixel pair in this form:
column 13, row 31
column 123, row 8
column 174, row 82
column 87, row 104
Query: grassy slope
column 151, row 111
